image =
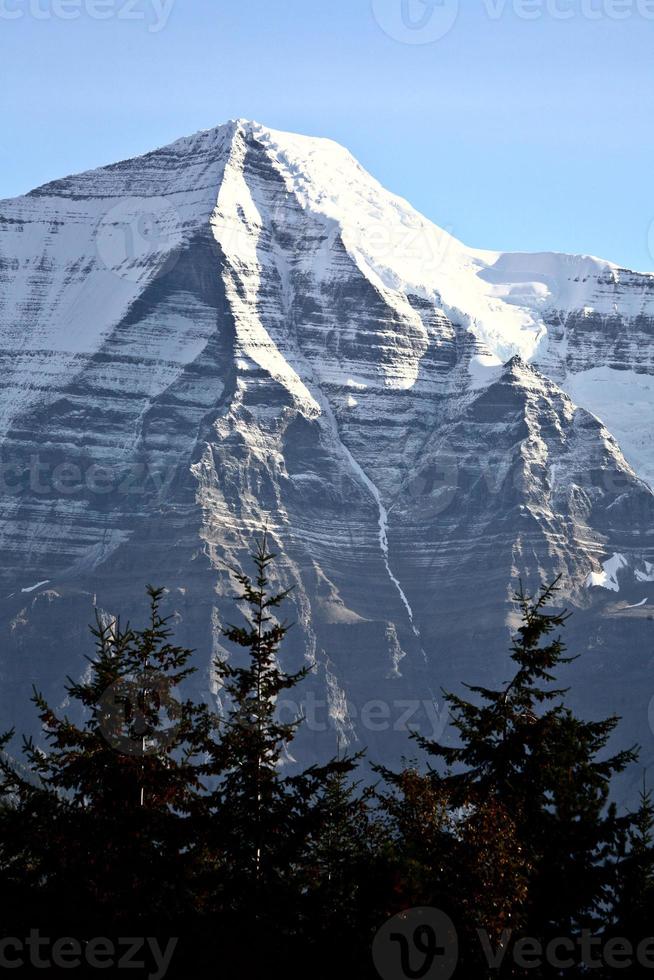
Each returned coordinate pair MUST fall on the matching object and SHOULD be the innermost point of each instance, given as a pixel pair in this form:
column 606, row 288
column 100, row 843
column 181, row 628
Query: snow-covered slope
column 245, row 328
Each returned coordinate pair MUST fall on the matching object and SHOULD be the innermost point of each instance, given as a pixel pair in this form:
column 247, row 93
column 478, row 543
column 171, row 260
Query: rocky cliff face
column 245, row 329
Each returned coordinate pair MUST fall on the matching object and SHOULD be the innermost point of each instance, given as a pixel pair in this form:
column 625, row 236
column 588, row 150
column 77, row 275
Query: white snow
column 383, row 534
column 507, row 300
column 608, row 577
column 484, row 369
column 80, row 252
column 103, row 253
column 93, row 265
column 33, row 588
column 624, row 401
column 236, row 225
column 400, row 251
column 356, row 385
column 503, row 297
column 638, row 605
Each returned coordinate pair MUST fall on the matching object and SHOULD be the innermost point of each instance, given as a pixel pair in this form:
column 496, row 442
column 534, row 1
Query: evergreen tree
column 101, row 813
column 634, row 907
column 523, row 748
column 490, row 879
column 260, row 818
column 419, row 827
column 155, row 816
column 346, row 876
column 462, row 859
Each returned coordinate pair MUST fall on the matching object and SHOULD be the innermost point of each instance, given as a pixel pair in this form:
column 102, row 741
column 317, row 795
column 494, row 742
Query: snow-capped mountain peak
column 245, row 328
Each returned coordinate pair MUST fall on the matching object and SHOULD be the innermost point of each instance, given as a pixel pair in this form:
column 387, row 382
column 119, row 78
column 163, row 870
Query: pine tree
column 346, row 880
column 260, row 818
column 523, row 748
column 154, row 814
column 634, row 906
column 18, row 883
column 101, row 813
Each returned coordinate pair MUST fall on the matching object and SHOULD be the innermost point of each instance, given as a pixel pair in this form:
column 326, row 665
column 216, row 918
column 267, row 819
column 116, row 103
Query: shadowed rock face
column 245, row 330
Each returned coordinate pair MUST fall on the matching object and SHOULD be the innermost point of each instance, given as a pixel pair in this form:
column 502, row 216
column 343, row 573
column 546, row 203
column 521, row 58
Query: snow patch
column 33, row 588
column 608, row 577
column 647, row 575
column 355, row 385
column 483, row 370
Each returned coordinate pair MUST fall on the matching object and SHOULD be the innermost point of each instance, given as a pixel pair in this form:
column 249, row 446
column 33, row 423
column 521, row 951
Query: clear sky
column 515, row 124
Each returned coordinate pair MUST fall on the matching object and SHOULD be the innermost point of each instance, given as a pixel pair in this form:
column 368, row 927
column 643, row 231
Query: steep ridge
column 245, row 329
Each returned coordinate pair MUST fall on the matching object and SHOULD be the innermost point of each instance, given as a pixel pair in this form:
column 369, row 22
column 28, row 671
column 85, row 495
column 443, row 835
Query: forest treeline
column 157, row 818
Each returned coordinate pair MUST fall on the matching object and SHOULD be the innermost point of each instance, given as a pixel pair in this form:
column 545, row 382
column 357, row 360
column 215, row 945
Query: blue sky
column 516, row 124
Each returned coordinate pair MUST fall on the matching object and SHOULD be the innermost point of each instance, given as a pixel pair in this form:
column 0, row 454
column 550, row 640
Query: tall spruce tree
column 260, row 816
column 523, row 748
column 100, row 816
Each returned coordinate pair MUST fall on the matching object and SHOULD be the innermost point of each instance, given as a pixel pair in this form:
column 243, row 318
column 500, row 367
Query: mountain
column 244, row 329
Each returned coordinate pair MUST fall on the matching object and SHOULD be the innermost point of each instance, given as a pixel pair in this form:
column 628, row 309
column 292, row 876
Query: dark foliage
column 159, row 817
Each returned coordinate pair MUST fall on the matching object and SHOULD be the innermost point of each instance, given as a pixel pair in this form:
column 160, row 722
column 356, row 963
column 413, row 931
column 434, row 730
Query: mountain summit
column 245, row 329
